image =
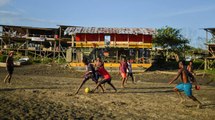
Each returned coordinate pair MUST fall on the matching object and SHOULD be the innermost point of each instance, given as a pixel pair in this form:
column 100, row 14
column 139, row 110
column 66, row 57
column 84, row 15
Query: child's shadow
column 204, row 106
column 209, row 105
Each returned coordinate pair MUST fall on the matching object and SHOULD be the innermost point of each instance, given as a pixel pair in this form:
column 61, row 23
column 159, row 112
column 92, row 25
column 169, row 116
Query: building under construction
column 74, row 42
column 33, row 41
column 210, row 42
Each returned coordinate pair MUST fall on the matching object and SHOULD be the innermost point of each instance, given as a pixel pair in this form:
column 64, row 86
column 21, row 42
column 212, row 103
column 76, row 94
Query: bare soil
column 47, row 92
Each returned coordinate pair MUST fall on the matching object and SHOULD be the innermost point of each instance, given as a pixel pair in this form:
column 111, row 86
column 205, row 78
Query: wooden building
column 210, row 42
column 110, row 44
column 74, row 42
column 34, row 41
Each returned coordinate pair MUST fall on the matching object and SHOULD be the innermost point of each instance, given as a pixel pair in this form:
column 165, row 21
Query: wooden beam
column 73, row 41
column 128, row 40
column 207, row 39
column 117, row 54
column 137, row 61
column 114, row 40
column 85, row 37
column 142, row 38
column 54, row 49
column 59, row 49
column 1, row 43
column 26, row 51
column 211, row 51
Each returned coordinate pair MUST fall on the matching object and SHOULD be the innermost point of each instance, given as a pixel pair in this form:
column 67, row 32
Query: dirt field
column 46, row 92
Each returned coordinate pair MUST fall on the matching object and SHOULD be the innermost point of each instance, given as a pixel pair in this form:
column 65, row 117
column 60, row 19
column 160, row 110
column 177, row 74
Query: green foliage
column 46, row 60
column 17, row 56
column 173, row 65
column 197, row 64
column 60, row 61
column 172, row 38
column 36, row 61
column 3, row 58
column 211, row 72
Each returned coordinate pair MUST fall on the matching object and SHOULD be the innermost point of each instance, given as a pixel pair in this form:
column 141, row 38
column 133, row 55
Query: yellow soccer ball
column 87, row 90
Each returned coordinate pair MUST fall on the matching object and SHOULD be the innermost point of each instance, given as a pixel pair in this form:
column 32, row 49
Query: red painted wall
column 89, row 37
column 147, row 38
column 119, row 37
column 135, row 38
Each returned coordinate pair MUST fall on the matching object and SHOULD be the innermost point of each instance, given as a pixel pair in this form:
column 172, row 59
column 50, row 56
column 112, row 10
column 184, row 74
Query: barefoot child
column 90, row 73
column 9, row 67
column 130, row 73
column 186, row 85
column 123, row 70
column 107, row 78
column 98, row 63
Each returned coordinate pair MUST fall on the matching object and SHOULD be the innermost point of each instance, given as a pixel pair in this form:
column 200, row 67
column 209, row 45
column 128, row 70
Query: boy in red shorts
column 90, row 74
column 106, row 76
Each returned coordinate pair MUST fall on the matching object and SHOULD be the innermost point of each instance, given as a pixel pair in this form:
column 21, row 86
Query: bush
column 36, row 61
column 17, row 56
column 198, row 64
column 173, row 65
column 46, row 60
column 60, row 61
column 3, row 58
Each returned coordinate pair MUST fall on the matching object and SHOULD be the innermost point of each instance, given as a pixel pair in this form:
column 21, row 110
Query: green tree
column 170, row 39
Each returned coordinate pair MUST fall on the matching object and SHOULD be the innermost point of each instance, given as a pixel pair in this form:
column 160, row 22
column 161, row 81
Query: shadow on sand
column 157, row 91
column 204, row 106
column 37, row 88
column 139, row 88
column 143, row 90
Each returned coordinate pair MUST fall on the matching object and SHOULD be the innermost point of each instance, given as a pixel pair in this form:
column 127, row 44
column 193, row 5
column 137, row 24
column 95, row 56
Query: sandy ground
column 46, row 92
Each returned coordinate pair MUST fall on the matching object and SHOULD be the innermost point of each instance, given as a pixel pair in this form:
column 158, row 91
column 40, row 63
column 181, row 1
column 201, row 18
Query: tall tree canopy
column 170, row 38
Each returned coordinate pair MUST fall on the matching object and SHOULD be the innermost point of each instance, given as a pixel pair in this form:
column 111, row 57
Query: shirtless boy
column 186, row 85
column 90, row 73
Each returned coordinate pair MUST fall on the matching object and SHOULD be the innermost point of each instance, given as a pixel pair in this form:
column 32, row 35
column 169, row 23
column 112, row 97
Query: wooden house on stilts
column 210, row 43
column 111, row 44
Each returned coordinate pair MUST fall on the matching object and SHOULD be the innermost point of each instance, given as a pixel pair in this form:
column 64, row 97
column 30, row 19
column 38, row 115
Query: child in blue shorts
column 185, row 85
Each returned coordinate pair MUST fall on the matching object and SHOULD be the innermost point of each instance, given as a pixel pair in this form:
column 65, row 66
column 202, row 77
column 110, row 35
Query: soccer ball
column 87, row 90
column 197, row 87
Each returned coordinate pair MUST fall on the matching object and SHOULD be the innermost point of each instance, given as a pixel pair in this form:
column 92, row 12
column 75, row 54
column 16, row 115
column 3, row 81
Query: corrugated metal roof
column 211, row 30
column 28, row 27
column 94, row 30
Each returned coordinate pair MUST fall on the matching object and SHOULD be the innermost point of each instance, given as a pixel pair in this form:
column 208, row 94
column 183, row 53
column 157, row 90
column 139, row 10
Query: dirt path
column 44, row 95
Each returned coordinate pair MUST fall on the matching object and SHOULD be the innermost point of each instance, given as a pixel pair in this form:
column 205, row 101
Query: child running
column 90, row 73
column 123, row 70
column 107, row 78
column 98, row 63
column 186, row 85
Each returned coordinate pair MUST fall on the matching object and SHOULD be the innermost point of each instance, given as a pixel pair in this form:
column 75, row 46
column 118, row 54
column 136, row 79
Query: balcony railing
column 20, row 35
column 211, row 41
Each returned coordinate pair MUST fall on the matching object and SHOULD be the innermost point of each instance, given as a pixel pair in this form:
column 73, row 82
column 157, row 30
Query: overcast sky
column 188, row 15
